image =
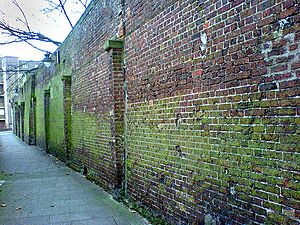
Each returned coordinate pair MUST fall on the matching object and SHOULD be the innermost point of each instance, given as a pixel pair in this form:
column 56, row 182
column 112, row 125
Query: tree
column 61, row 6
column 24, row 32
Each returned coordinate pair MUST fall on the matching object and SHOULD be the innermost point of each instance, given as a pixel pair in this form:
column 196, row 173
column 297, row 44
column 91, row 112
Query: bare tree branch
column 10, row 72
column 34, row 46
column 53, row 6
column 8, row 89
column 21, row 35
column 58, row 6
column 16, row 34
column 16, row 69
column 84, row 4
column 25, row 22
column 66, row 15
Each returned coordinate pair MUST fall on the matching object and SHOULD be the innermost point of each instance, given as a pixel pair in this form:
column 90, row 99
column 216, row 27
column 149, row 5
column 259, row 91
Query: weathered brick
column 210, row 115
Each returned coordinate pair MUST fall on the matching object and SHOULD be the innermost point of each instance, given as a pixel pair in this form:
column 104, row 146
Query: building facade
column 2, row 106
column 12, row 76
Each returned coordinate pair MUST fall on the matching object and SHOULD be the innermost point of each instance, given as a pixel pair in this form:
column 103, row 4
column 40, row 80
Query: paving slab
column 37, row 189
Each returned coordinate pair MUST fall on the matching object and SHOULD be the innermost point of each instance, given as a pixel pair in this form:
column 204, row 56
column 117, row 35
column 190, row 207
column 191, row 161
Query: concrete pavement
column 35, row 188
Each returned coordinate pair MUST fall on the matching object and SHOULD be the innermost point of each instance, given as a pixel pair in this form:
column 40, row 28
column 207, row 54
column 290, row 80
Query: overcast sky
column 53, row 25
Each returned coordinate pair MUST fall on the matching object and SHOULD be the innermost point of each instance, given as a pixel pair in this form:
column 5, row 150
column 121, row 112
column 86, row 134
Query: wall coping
column 66, row 77
column 109, row 44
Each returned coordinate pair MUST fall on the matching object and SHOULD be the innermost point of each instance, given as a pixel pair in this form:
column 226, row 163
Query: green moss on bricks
column 40, row 117
column 225, row 132
column 109, row 44
column 92, row 146
column 56, row 142
column 274, row 218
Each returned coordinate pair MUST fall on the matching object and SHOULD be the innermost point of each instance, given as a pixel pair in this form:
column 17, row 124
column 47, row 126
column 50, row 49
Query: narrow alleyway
column 35, row 188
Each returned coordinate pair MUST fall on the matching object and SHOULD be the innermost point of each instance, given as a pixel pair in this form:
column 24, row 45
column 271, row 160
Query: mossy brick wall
column 16, row 119
column 26, row 100
column 56, row 145
column 24, row 96
column 213, row 110
column 45, row 79
column 67, row 107
column 211, row 113
column 96, row 117
column 40, row 117
column 93, row 110
column 50, row 134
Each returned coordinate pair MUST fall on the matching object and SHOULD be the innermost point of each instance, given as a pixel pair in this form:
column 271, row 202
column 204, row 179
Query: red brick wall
column 213, row 110
column 93, row 126
column 209, row 123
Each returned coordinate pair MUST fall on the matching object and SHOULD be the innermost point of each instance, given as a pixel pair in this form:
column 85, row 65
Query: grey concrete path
column 35, row 188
